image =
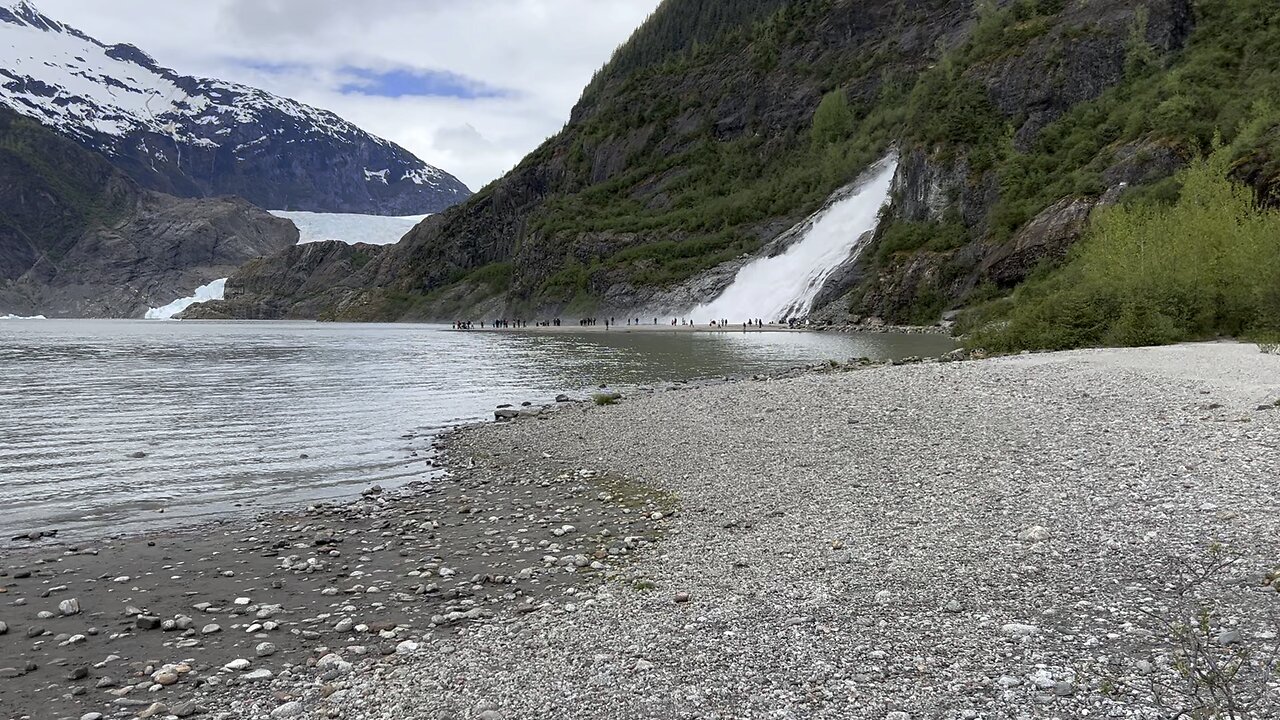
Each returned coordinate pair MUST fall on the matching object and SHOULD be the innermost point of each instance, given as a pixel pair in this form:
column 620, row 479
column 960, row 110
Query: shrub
column 1149, row 273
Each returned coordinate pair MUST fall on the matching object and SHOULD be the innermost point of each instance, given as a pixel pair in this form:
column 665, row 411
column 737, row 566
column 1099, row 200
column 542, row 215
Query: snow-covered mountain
column 198, row 137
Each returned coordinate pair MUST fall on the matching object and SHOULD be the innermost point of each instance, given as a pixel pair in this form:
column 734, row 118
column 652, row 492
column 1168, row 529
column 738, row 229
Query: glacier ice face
column 23, row 317
column 212, row 291
column 349, row 228
column 784, row 286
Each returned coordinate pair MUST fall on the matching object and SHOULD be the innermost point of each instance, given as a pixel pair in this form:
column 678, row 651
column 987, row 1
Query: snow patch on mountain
column 349, row 228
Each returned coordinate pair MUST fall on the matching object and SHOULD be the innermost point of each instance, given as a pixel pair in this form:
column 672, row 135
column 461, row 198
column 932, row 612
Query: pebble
column 70, row 606
column 1035, row 533
column 265, row 649
column 210, row 629
column 290, row 709
column 1019, row 630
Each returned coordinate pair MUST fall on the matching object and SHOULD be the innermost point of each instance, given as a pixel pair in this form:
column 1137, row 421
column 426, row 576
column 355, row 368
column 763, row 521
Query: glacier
column 350, row 228
column 784, row 286
column 213, row 291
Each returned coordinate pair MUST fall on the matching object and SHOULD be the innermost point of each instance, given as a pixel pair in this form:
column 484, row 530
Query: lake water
column 243, row 416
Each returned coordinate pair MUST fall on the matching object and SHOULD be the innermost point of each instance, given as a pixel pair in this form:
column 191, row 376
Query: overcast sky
column 468, row 85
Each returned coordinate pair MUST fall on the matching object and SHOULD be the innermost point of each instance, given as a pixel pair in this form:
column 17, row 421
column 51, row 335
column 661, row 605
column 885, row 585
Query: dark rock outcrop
column 80, row 239
column 314, row 278
column 1046, row 238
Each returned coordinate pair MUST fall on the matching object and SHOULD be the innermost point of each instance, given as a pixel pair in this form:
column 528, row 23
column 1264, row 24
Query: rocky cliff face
column 80, row 239
column 197, row 137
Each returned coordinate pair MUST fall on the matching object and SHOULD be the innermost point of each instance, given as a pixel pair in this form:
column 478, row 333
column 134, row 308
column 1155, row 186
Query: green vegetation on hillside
column 692, row 199
column 1152, row 273
column 1223, row 84
column 700, row 202
column 682, row 27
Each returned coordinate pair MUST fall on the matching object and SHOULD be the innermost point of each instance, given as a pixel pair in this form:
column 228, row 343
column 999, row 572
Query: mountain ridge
column 200, row 137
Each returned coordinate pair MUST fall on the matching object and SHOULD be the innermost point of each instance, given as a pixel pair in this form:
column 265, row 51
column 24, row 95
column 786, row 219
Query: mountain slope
column 78, row 238
column 197, row 137
column 711, row 133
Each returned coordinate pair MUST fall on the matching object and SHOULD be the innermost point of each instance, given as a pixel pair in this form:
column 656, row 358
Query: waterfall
column 784, row 286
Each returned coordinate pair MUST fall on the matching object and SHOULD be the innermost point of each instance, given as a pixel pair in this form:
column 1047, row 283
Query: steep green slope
column 713, row 130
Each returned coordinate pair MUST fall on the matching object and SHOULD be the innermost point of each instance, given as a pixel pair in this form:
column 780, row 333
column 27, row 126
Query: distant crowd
column 612, row 322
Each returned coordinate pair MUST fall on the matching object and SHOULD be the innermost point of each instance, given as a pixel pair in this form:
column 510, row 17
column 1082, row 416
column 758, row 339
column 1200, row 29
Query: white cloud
column 542, row 51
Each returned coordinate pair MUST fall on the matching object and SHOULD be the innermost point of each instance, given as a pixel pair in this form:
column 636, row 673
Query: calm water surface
column 226, row 412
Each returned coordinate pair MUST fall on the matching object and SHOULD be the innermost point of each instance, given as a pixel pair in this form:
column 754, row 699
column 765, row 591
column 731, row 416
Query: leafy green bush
column 1149, row 273
column 833, row 120
column 495, row 276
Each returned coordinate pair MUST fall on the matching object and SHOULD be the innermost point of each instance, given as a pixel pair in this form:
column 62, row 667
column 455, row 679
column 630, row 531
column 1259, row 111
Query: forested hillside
column 714, row 129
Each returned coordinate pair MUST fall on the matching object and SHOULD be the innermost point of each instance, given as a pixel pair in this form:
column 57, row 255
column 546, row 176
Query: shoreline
column 755, row 489
column 677, row 329
column 690, row 329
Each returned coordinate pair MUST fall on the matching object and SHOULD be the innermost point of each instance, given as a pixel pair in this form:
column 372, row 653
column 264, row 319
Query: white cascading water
column 784, row 286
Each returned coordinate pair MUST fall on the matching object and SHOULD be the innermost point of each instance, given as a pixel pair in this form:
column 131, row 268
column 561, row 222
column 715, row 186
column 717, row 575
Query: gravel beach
column 990, row 539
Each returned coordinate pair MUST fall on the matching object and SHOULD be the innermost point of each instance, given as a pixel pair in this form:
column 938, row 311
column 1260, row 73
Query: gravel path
column 968, row 540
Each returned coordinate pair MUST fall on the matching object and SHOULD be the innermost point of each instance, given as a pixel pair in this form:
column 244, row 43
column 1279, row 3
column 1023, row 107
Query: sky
column 470, row 86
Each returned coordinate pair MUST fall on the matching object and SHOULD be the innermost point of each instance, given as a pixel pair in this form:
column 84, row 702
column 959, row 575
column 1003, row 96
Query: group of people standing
column 503, row 324
column 608, row 322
